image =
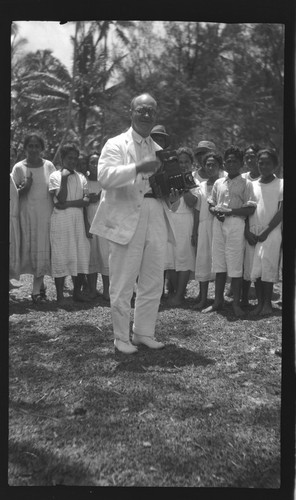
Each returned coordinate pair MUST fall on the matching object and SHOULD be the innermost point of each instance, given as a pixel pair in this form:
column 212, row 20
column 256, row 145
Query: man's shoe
column 147, row 341
column 125, row 347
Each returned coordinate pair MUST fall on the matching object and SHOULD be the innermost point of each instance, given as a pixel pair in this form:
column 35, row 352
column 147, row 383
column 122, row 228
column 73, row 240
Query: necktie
column 144, row 148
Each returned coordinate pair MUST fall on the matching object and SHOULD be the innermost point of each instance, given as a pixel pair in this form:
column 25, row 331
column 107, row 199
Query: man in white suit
column 137, row 225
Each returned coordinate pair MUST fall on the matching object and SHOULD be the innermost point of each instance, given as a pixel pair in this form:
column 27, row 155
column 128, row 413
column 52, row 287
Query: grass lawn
column 204, row 411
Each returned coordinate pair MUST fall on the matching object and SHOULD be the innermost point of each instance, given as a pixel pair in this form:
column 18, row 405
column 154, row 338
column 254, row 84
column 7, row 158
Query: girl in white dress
column 69, row 243
column 263, row 230
column 31, row 176
column 252, row 173
column 203, row 228
column 181, row 257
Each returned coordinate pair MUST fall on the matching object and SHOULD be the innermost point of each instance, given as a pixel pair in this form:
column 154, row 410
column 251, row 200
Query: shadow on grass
column 25, row 305
column 30, row 464
column 171, row 357
column 228, row 314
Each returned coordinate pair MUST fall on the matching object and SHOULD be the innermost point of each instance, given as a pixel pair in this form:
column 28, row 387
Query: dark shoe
column 43, row 292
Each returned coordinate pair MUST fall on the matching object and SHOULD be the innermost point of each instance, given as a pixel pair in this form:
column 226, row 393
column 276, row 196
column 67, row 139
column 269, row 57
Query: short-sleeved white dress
column 203, row 263
column 35, row 211
column 265, row 261
column 70, row 248
column 181, row 257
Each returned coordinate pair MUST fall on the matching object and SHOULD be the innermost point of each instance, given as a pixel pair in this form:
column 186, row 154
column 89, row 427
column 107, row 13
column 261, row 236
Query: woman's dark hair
column 34, row 135
column 271, row 152
column 67, row 148
column 216, row 157
column 234, row 150
column 253, row 147
column 184, row 150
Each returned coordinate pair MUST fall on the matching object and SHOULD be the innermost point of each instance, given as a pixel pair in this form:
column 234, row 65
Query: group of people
column 100, row 215
column 50, row 214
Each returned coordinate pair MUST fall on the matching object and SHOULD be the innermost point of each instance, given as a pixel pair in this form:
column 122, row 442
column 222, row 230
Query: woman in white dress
column 252, row 173
column 264, row 230
column 203, row 228
column 70, row 247
column 31, row 176
column 181, row 257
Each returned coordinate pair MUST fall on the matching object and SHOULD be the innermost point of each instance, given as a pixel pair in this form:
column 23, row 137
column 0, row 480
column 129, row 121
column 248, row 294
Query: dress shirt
column 233, row 193
column 143, row 147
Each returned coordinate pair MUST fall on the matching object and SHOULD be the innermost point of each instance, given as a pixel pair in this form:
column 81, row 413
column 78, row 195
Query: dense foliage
column 221, row 82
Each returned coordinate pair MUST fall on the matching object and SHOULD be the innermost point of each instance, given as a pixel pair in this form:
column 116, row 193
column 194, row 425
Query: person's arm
column 86, row 223
column 25, row 186
column 241, row 212
column 189, row 199
column 63, row 192
column 113, row 173
column 250, row 237
column 194, row 236
column 81, row 202
column 275, row 221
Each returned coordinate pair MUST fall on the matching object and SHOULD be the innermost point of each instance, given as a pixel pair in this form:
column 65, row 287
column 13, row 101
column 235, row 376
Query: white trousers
column 142, row 257
column 228, row 246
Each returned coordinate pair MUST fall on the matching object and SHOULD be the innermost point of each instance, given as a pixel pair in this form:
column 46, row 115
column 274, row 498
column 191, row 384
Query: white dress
column 181, row 257
column 14, row 232
column 203, row 263
column 70, row 248
column 249, row 250
column 35, row 211
column 99, row 246
column 266, row 254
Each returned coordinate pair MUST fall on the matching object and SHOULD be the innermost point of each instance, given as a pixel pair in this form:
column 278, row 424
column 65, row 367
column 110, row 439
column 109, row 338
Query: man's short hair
column 236, row 151
column 140, row 95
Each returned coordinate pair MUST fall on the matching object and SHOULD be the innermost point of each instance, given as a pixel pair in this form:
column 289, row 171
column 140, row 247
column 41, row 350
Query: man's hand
column 174, row 195
column 149, row 164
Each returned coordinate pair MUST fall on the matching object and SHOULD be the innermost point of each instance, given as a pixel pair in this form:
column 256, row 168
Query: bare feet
column 214, row 307
column 61, row 302
column 266, row 310
column 78, row 297
column 244, row 303
column 200, row 305
column 237, row 310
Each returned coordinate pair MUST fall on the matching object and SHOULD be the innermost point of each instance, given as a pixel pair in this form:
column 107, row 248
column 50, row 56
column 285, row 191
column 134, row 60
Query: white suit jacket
column 118, row 213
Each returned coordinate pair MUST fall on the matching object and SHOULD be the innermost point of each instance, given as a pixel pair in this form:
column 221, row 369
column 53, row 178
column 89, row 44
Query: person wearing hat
column 203, row 148
column 159, row 135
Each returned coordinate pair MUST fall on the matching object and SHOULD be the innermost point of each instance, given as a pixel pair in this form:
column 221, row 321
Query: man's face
column 232, row 165
column 143, row 115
